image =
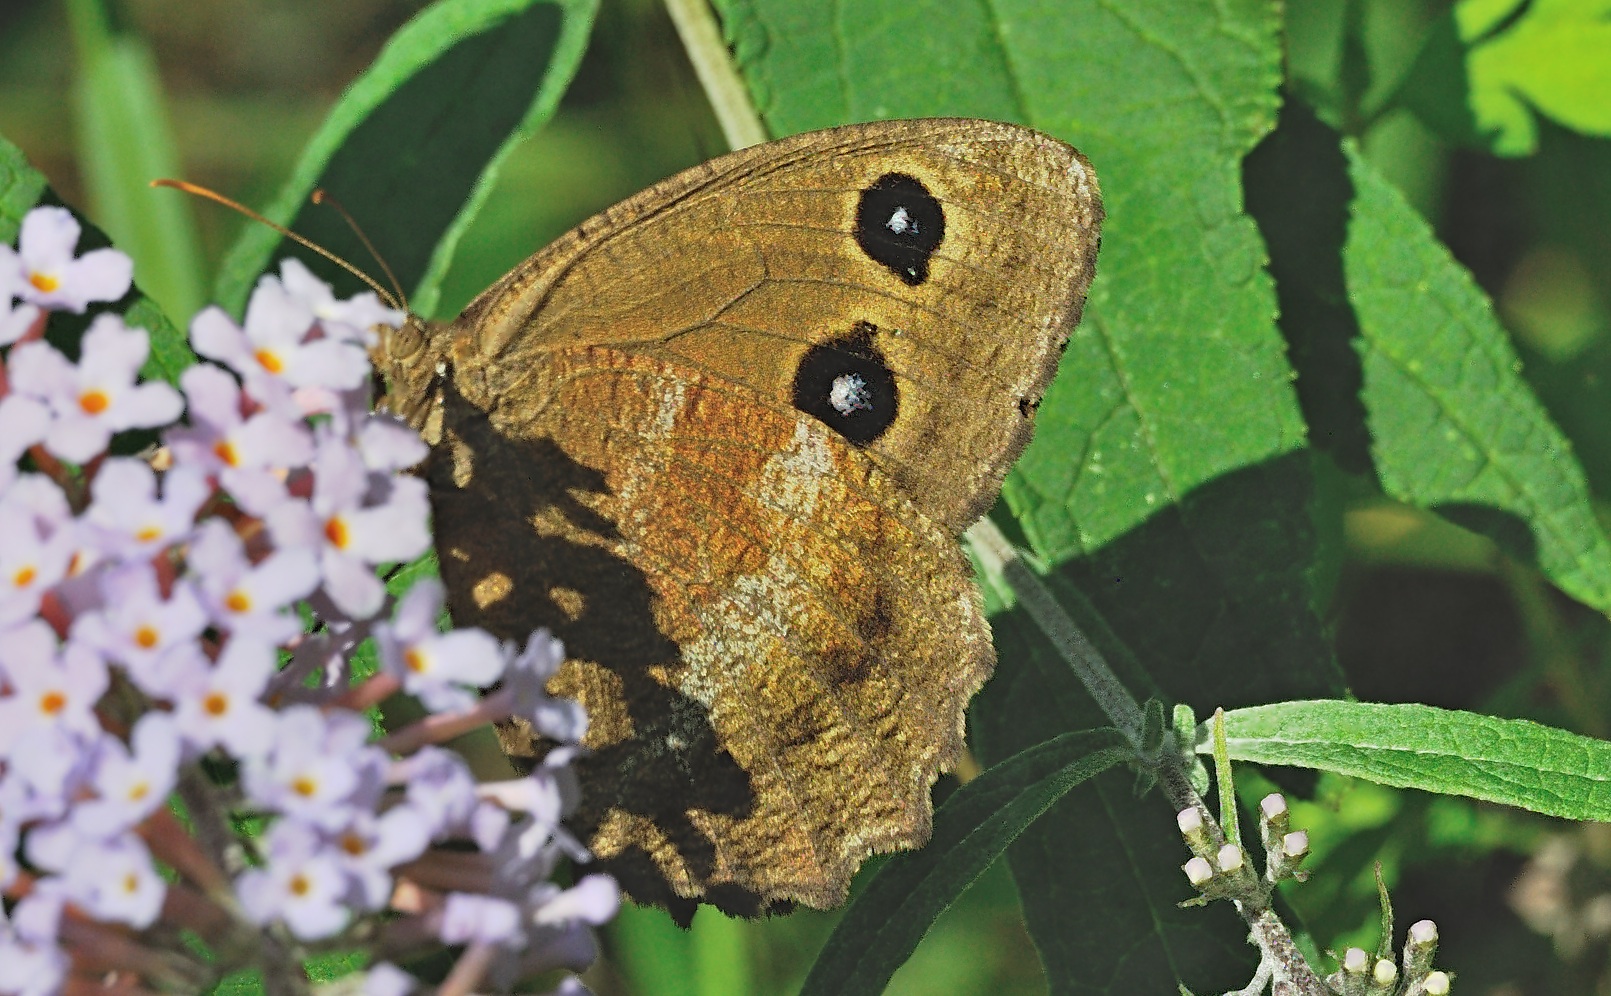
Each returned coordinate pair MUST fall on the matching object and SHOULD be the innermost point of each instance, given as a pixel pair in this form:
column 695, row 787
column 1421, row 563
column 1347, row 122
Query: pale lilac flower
column 439, row 787
column 23, row 422
column 525, row 681
column 351, row 529
column 114, row 880
column 301, row 884
column 8, row 847
column 220, row 439
column 250, row 599
column 15, row 321
column 51, row 277
column 389, row 443
column 45, row 769
column 37, row 542
column 278, row 340
column 134, row 625
column 31, row 963
column 128, row 515
column 386, row 979
column 369, row 846
column 538, row 792
column 217, row 704
column 30, row 968
column 436, row 667
column 317, row 767
column 472, row 917
column 593, row 900
column 49, row 686
column 352, row 320
column 489, row 825
column 98, row 396
column 130, row 785
column 11, row 279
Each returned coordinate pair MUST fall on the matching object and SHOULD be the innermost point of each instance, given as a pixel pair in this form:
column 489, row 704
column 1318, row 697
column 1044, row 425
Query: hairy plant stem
column 1279, row 956
column 713, row 64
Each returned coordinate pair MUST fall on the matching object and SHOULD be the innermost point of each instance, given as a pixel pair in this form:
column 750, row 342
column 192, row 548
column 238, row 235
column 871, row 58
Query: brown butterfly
column 721, row 439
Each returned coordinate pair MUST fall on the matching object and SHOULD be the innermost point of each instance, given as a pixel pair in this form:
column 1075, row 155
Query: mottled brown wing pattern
column 721, row 439
column 744, row 265
column 809, row 639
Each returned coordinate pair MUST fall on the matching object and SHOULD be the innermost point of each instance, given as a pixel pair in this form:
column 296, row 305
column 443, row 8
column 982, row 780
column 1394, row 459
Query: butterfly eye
column 899, row 224
column 846, row 384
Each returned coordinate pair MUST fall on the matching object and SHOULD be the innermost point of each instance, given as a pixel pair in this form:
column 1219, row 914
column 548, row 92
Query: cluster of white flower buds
column 1221, row 871
column 1361, row 974
column 153, row 656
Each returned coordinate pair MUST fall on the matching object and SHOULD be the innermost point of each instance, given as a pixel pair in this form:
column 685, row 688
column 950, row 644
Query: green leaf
column 1099, row 874
column 413, row 147
column 1551, row 60
column 125, row 142
column 21, row 188
column 1454, row 426
column 1510, row 761
column 1177, row 374
column 888, row 918
column 1491, row 67
column 1167, row 480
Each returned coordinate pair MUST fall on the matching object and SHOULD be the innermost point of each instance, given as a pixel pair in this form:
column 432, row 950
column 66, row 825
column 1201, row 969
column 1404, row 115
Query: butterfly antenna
column 320, row 196
column 393, row 301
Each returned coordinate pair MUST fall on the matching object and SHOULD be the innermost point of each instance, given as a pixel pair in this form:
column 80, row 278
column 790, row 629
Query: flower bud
column 1198, row 872
column 1295, row 845
column 1383, row 978
column 1192, row 828
column 1419, row 948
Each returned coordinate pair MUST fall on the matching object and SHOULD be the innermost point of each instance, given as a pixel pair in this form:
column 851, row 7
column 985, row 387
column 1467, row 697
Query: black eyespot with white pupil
column 899, row 225
column 846, row 384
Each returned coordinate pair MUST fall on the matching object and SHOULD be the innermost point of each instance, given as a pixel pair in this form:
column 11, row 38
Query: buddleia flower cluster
column 160, row 688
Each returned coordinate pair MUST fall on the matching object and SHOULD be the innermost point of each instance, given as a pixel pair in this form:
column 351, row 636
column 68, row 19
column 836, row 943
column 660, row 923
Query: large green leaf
column 413, row 146
column 1454, row 427
column 903, row 899
column 1493, row 66
column 1176, row 375
column 1167, row 480
column 1510, row 761
column 23, row 187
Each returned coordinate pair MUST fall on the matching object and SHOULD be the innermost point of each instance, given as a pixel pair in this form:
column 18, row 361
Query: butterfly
column 722, row 439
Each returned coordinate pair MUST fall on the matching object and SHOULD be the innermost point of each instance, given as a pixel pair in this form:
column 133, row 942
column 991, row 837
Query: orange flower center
column 305, row 787
column 215, row 704
column 415, row 661
column 335, row 531
column 269, row 360
column 44, row 282
column 51, row 703
column 24, row 576
column 225, row 451
column 94, row 401
column 147, row 637
column 238, row 601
